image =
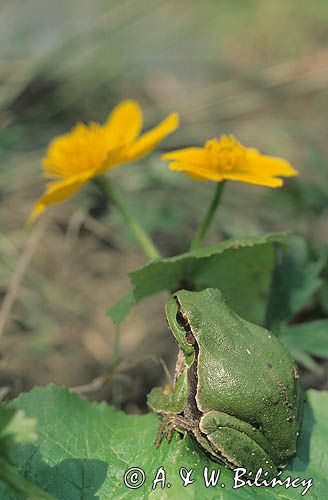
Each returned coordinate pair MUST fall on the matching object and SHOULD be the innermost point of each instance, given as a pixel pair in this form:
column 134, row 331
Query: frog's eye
column 181, row 320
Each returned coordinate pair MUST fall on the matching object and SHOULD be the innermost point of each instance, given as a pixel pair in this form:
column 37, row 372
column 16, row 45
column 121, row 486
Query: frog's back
column 245, row 371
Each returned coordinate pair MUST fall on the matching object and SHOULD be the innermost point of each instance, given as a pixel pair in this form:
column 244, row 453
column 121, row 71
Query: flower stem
column 140, row 235
column 116, row 349
column 29, row 490
column 202, row 230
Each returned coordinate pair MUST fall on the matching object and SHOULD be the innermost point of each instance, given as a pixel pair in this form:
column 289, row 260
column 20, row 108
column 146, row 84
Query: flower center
column 226, row 154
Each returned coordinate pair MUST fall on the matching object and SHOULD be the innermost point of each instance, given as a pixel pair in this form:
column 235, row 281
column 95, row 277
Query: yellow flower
column 90, row 150
column 229, row 159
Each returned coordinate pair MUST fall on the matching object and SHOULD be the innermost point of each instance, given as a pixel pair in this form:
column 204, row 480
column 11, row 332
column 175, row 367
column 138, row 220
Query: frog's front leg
column 238, row 443
column 170, row 402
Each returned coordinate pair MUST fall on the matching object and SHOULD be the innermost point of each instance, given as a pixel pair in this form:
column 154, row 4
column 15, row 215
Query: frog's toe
column 171, row 423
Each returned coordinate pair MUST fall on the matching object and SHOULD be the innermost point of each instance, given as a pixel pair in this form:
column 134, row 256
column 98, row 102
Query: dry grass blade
column 113, row 371
column 25, row 258
column 4, row 391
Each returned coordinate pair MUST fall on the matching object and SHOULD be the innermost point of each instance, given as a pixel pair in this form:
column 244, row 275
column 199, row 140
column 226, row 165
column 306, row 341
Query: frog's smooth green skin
column 236, row 388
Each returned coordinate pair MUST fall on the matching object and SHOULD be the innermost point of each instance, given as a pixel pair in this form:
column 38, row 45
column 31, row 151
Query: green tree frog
column 236, row 388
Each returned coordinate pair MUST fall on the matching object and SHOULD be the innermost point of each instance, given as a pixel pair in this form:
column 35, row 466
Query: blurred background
column 257, row 69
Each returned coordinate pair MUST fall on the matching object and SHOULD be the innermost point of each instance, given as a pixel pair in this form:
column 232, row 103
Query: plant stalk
column 116, row 349
column 139, row 233
column 205, row 224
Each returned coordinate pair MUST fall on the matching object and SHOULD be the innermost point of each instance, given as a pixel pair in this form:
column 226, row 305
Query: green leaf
column 305, row 359
column 121, row 308
column 15, row 428
column 324, row 297
column 240, row 268
column 84, row 450
column 307, row 339
column 295, row 279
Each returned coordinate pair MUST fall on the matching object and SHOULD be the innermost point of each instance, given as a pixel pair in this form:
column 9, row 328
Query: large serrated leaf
column 306, row 340
column 240, row 268
column 296, row 278
column 84, row 450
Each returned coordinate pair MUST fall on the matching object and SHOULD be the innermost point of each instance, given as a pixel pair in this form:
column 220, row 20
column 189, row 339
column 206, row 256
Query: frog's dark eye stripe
column 181, row 320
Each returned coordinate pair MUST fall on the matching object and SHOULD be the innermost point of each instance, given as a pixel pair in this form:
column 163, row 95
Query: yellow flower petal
column 268, row 165
column 197, row 172
column 254, row 179
column 56, row 192
column 148, row 141
column 124, row 123
column 193, row 161
column 82, row 150
column 192, row 155
column 114, row 158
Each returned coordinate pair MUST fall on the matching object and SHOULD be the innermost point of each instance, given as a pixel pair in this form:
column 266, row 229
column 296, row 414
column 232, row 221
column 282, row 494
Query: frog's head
column 188, row 313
